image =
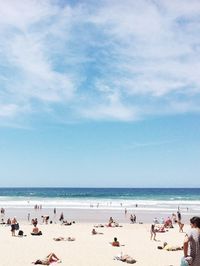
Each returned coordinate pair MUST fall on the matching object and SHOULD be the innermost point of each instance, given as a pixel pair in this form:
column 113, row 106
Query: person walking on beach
column 131, row 218
column 61, row 217
column 153, row 232
column 179, row 216
column 2, row 211
column 125, row 211
column 181, row 225
column 192, row 243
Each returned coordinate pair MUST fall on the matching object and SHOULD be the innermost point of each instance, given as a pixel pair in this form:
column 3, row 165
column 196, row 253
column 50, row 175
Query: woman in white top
column 192, row 244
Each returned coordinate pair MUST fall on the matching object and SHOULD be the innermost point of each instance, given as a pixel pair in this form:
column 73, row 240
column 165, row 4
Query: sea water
column 145, row 199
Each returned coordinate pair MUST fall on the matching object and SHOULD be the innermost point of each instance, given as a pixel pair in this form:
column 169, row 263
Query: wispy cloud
column 139, row 145
column 113, row 60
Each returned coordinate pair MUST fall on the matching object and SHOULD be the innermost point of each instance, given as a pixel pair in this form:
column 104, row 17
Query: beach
column 85, row 208
column 88, row 249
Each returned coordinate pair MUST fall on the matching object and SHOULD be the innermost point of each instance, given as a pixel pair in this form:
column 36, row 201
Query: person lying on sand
column 94, row 232
column 71, row 238
column 125, row 258
column 112, row 223
column 160, row 229
column 48, row 260
column 65, row 222
column 99, row 225
column 60, row 238
column 169, row 247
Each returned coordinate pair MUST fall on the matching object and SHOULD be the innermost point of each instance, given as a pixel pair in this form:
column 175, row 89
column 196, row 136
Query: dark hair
column 115, row 239
column 38, row 262
column 196, row 221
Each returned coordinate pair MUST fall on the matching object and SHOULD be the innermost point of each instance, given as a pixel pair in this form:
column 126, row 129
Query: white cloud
column 26, row 54
column 116, row 112
column 139, row 145
column 112, row 109
column 111, row 60
column 8, row 110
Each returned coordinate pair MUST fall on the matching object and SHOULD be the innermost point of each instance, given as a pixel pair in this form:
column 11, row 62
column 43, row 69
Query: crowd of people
column 190, row 246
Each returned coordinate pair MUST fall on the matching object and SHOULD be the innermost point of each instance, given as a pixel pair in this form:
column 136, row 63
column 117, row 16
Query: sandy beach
column 88, row 249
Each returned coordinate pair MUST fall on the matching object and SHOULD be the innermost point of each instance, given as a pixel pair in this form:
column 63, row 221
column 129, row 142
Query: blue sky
column 100, row 93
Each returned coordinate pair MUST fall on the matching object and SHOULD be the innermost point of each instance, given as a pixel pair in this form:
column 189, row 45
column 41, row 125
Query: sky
column 100, row 93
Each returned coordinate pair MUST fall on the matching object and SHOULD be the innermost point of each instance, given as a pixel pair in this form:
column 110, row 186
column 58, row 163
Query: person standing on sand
column 131, row 218
column 179, row 216
column 61, row 217
column 125, row 211
column 28, row 217
column 13, row 226
column 153, row 232
column 181, row 225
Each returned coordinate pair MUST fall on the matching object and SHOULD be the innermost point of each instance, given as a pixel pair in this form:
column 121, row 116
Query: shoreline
column 93, row 215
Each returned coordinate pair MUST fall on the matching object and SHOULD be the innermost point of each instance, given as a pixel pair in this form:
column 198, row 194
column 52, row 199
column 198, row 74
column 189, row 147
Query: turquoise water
column 149, row 199
column 123, row 193
column 168, row 194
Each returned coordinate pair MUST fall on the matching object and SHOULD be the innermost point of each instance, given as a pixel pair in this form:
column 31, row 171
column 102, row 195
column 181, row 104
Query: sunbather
column 48, row 260
column 169, row 247
column 36, row 231
column 125, row 258
column 99, row 225
column 60, row 238
column 94, row 232
column 116, row 243
column 71, row 238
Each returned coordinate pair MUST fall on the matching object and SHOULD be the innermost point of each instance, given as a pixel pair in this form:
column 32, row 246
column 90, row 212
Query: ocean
column 145, row 199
